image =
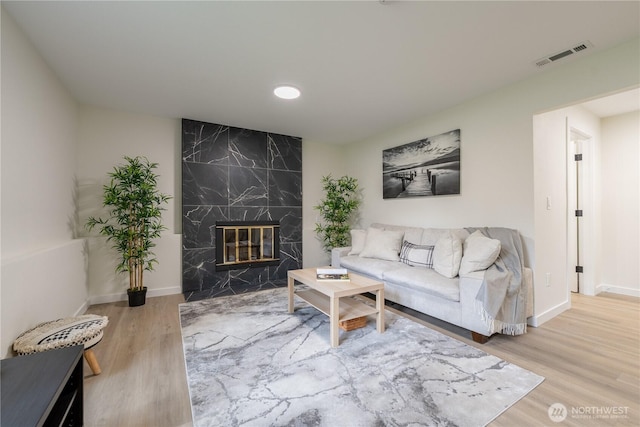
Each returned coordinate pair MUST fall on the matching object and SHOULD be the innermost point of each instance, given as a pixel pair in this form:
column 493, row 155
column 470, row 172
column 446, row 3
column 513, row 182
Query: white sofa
column 440, row 290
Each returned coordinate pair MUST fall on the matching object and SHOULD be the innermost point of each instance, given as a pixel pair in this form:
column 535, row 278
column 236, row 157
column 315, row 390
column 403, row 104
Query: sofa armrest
column 337, row 253
column 470, row 285
column 470, row 318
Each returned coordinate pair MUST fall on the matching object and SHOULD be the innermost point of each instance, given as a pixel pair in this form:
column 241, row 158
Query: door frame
column 587, row 205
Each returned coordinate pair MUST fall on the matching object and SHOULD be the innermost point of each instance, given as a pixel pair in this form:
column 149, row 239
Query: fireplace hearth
column 247, row 244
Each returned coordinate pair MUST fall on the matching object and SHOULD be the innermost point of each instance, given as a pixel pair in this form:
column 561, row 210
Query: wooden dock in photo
column 417, row 183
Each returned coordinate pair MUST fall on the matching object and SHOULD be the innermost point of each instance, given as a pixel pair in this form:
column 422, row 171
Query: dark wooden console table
column 43, row 389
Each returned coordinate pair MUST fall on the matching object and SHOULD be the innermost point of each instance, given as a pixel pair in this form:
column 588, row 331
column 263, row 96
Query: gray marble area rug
column 251, row 363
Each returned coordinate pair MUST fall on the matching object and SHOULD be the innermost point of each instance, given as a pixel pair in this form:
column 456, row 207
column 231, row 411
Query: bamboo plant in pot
column 341, row 200
column 134, row 206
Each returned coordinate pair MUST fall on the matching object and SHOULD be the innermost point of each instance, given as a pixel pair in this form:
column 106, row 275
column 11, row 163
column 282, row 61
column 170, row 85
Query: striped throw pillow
column 417, row 255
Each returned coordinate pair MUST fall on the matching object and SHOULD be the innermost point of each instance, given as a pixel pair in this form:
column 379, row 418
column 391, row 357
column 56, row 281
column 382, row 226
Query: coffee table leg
column 291, row 282
column 334, row 317
column 380, row 308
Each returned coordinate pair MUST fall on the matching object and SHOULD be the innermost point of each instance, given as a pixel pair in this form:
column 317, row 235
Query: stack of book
column 332, row 274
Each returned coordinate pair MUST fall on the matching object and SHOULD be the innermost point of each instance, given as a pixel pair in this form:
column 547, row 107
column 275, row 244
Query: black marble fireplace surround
column 233, row 174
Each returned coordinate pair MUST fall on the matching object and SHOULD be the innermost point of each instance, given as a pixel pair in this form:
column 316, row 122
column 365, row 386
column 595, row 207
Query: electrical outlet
column 548, row 279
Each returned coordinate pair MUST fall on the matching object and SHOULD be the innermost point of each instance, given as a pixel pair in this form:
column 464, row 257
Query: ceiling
column 364, row 67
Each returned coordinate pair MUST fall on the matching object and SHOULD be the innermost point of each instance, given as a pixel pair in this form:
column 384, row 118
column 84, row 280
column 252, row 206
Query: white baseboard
column 83, row 308
column 617, row 290
column 103, row 299
column 538, row 319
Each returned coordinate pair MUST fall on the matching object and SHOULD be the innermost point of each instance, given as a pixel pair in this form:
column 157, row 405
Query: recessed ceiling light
column 287, row 92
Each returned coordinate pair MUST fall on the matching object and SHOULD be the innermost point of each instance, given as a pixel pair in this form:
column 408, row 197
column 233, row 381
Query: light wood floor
column 589, row 355
column 143, row 380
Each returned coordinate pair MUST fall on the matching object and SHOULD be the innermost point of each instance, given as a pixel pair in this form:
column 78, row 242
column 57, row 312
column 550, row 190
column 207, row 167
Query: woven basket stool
column 86, row 330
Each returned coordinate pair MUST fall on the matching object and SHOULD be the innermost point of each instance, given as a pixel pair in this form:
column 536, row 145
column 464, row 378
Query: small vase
column 137, row 297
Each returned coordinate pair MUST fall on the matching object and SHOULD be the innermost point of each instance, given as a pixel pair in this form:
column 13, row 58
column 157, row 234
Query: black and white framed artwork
column 427, row 167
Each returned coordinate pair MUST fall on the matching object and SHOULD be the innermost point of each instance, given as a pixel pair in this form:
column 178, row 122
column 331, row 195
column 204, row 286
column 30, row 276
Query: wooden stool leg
column 92, row 361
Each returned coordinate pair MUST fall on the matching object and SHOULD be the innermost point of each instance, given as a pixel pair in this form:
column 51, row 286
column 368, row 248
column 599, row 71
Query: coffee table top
column 336, row 288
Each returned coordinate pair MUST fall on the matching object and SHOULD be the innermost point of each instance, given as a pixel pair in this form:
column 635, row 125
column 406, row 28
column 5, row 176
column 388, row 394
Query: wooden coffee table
column 328, row 296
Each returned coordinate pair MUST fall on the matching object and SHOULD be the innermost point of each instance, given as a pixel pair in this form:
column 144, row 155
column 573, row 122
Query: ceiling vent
column 563, row 54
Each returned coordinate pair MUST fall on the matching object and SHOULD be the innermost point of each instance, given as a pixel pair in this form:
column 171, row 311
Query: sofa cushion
column 358, row 238
column 411, row 234
column 479, row 252
column 431, row 235
column 447, row 254
column 371, row 267
column 416, row 255
column 382, row 244
column 424, row 280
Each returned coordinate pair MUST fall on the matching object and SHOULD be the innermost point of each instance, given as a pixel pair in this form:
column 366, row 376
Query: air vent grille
column 563, row 54
column 579, row 48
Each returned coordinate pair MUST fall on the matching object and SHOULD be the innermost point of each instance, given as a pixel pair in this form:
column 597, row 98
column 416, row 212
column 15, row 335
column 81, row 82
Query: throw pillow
column 358, row 238
column 416, row 255
column 447, row 254
column 479, row 252
column 382, row 244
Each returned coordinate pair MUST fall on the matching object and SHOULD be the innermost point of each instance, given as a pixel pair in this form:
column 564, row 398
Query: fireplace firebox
column 247, row 244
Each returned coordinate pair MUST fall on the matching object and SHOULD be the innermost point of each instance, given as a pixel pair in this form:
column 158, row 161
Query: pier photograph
column 427, row 167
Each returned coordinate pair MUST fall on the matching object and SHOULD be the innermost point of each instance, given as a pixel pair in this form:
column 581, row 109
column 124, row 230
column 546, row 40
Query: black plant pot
column 137, row 297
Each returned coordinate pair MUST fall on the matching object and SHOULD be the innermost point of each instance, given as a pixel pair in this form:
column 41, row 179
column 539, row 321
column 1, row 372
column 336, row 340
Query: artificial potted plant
column 340, row 202
column 135, row 208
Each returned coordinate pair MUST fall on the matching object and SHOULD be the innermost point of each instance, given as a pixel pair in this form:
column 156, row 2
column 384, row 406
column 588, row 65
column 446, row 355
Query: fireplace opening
column 247, row 244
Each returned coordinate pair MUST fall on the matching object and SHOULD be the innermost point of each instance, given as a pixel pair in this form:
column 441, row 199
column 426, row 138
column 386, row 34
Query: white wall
column 105, row 136
column 318, row 160
column 620, row 179
column 43, row 266
column 497, row 157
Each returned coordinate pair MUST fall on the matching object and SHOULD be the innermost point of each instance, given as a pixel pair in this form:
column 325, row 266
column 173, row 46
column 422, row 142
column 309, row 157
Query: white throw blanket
column 502, row 298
